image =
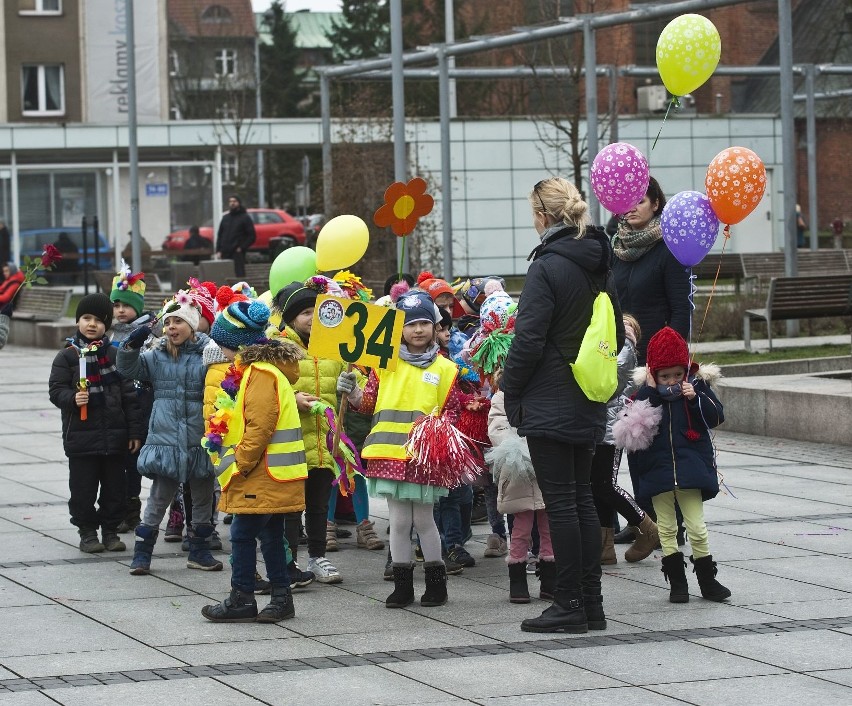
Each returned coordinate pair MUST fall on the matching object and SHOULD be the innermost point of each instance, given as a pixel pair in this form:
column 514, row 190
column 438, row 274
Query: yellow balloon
column 275, row 317
column 688, row 53
column 341, row 243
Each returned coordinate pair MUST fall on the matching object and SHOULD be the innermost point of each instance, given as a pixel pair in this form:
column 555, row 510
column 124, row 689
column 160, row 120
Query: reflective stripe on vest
column 284, row 457
column 405, row 395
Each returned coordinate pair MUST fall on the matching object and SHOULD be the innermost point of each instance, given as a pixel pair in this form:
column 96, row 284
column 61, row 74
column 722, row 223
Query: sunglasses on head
column 540, row 200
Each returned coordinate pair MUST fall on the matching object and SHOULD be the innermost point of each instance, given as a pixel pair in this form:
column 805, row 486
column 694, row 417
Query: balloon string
column 673, row 102
column 401, row 257
column 727, row 233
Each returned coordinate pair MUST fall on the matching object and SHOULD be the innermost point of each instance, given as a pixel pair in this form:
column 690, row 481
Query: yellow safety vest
column 285, row 455
column 405, row 395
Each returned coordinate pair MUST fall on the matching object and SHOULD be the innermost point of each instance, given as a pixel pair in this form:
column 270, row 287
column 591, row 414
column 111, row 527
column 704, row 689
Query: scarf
column 100, row 370
column 420, row 360
column 630, row 245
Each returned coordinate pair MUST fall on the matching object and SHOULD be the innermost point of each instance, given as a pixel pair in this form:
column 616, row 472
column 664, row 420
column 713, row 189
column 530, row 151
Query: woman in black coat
column 544, row 402
column 652, row 285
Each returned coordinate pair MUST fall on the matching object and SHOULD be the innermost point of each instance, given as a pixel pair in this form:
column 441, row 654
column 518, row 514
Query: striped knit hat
column 241, row 323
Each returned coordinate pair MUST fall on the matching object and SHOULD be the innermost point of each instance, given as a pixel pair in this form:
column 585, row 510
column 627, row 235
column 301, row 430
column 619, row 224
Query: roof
column 211, row 18
column 821, row 35
column 310, row 28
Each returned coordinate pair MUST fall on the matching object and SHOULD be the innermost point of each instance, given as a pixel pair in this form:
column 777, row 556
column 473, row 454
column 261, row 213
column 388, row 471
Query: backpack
column 596, row 367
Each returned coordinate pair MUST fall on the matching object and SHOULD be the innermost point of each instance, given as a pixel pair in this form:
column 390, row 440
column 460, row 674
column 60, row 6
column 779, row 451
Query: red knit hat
column 203, row 294
column 667, row 349
column 435, row 286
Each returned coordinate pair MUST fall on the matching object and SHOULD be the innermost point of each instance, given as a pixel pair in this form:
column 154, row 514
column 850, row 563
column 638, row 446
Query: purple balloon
column 689, row 227
column 619, row 177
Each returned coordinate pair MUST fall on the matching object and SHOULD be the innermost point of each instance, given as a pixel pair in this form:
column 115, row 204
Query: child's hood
column 708, row 372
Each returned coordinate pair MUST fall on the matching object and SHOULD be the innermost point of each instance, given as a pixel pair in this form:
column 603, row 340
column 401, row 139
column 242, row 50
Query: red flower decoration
column 50, row 256
column 404, row 205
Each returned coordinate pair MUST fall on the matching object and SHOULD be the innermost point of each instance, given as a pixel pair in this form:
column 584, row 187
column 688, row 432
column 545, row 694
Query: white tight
column 403, row 514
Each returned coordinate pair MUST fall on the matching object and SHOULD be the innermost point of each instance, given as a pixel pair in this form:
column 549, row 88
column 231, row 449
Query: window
column 226, row 62
column 174, row 113
column 216, row 14
column 230, row 169
column 226, row 112
column 43, row 90
column 39, row 7
column 174, row 63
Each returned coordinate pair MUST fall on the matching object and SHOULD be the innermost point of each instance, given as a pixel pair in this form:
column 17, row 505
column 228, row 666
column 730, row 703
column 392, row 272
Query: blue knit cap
column 418, row 306
column 241, row 324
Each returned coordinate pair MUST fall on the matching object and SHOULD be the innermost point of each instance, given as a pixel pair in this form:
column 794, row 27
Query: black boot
column 547, row 576
column 567, row 614
column 132, row 516
column 674, row 569
column 593, row 605
column 280, row 606
column 518, row 591
column 705, row 571
column 436, row 584
column 199, row 550
column 239, row 607
column 403, row 586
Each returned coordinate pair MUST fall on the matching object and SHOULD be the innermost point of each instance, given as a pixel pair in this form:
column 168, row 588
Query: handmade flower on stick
column 404, row 205
column 352, row 286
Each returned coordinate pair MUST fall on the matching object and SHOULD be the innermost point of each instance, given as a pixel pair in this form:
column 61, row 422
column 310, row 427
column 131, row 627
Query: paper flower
column 404, row 205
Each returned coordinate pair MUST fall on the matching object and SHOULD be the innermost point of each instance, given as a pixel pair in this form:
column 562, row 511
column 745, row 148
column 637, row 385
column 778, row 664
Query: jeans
column 448, row 515
column 96, row 478
column 495, row 518
column 245, row 531
column 563, row 472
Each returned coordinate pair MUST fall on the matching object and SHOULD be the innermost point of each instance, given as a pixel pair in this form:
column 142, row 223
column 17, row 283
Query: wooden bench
column 762, row 267
column 37, row 305
column 806, row 297
column 731, row 266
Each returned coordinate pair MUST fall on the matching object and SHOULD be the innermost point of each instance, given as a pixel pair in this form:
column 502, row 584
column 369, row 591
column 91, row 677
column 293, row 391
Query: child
column 317, row 381
column 128, row 301
column 423, row 381
column 96, row 443
column 172, row 453
column 518, row 494
column 678, row 463
column 609, row 497
column 262, row 463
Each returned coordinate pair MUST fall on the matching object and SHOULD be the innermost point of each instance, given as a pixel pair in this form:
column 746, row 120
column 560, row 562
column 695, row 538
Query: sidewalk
column 761, row 345
column 78, row 629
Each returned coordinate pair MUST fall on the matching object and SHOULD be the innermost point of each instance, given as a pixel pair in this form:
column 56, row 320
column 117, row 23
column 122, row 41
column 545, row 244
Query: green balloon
column 295, row 264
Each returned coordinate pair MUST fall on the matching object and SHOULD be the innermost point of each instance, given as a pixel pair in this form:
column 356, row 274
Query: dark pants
column 245, row 531
column 317, row 492
column 88, row 474
column 448, row 516
column 608, row 495
column 239, row 259
column 563, row 472
column 132, row 479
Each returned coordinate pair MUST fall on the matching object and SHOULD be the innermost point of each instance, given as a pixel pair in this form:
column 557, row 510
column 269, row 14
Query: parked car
column 34, row 240
column 268, row 224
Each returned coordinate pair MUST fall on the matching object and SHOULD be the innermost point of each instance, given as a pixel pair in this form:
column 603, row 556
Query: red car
column 268, row 223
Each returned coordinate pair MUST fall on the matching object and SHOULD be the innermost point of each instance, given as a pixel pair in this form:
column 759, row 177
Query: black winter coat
column 236, row 230
column 672, row 459
column 542, row 398
column 113, row 418
column 655, row 290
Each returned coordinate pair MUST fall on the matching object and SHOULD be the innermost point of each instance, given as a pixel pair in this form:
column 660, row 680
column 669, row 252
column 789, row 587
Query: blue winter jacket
column 672, row 460
column 173, row 447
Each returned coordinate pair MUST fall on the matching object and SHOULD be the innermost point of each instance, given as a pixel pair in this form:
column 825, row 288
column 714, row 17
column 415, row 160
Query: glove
column 7, row 310
column 346, row 383
column 137, row 337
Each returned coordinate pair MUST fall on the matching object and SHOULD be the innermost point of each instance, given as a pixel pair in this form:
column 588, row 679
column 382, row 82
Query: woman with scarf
column 652, row 285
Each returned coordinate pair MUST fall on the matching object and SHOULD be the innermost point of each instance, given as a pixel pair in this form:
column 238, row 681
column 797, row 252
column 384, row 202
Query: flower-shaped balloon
column 404, row 205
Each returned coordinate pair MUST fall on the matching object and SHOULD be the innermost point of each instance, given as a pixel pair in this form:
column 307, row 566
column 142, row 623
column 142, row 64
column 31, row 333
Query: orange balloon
column 735, row 182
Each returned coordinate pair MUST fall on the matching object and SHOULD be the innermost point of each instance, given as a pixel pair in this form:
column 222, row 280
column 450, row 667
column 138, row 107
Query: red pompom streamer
column 442, row 455
column 473, row 423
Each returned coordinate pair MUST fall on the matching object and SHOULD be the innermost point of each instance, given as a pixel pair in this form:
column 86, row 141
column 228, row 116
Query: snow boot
column 608, row 556
column 518, row 590
column 547, row 576
column 199, row 550
column 647, row 539
column 403, row 587
column 436, row 584
column 674, row 570
column 280, row 606
column 146, row 538
column 705, row 571
column 238, row 607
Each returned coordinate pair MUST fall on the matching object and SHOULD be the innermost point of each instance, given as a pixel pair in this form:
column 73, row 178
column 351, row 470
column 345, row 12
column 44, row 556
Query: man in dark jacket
column 236, row 235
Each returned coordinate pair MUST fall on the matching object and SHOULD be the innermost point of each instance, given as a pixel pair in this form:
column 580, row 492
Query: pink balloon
column 620, row 177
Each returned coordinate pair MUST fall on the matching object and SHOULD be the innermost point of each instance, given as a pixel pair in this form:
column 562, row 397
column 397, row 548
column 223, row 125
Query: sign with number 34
column 356, row 333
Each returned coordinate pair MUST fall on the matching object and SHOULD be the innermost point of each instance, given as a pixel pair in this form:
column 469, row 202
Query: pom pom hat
column 667, row 349
column 418, row 306
column 97, row 305
column 203, row 294
column 435, row 287
column 241, row 324
column 129, row 288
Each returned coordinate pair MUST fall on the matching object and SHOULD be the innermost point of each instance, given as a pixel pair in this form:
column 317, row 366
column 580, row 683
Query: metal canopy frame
column 395, row 67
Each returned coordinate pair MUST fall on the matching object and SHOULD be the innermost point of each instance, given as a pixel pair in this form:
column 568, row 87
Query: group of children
column 227, row 400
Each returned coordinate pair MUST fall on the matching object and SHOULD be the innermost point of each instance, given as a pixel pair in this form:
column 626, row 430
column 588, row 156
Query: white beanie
column 187, row 312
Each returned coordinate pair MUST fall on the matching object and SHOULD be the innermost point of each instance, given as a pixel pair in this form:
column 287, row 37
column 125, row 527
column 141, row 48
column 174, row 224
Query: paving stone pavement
column 78, row 629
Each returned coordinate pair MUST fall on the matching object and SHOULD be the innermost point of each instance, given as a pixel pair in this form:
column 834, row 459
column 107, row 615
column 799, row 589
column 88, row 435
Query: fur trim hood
column 277, row 351
column 709, row 372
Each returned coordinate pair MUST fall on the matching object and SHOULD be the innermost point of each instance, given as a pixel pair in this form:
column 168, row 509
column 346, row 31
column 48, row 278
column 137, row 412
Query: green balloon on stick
column 295, row 264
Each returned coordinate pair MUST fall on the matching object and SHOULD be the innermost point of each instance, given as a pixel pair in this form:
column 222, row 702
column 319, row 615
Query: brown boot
column 646, row 540
column 608, row 546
